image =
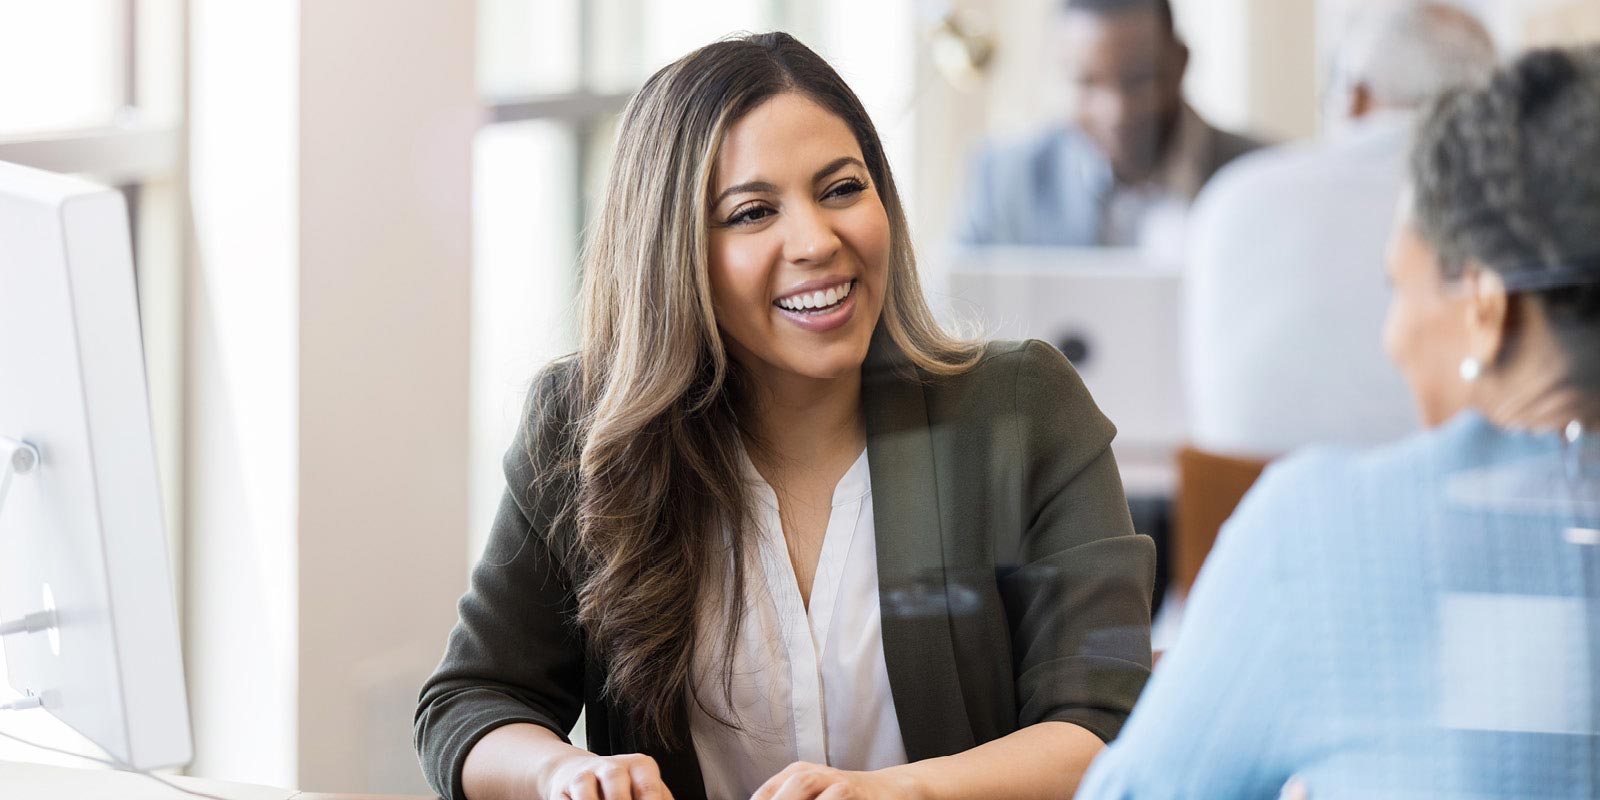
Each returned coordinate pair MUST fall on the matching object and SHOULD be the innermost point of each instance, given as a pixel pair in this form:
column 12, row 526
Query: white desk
column 39, row 782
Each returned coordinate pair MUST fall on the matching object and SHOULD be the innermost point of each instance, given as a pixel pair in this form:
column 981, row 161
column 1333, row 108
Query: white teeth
column 814, row 300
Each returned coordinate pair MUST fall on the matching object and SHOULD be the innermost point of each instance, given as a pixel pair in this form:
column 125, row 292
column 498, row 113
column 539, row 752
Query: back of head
column 1507, row 177
column 1162, row 9
column 1406, row 53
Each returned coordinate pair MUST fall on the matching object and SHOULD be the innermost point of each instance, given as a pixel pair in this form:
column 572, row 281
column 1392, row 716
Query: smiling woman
column 792, row 244
column 780, row 535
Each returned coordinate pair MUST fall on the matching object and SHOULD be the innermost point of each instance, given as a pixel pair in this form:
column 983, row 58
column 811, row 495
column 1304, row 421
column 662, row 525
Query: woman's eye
column 756, row 213
column 846, row 188
column 749, row 215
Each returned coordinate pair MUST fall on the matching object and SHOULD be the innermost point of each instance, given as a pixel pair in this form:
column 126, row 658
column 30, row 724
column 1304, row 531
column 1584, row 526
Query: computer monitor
column 1115, row 313
column 85, row 583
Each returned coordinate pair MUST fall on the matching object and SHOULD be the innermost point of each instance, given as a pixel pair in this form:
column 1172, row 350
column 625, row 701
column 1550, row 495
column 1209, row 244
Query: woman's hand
column 592, row 777
column 802, row 781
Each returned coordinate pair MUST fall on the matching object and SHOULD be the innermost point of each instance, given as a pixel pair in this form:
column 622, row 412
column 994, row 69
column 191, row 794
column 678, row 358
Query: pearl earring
column 1471, row 368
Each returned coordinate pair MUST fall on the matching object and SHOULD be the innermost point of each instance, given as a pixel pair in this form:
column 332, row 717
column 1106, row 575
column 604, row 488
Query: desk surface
column 48, row 783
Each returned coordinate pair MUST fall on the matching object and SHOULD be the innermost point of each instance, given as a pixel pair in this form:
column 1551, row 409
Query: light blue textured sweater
column 1414, row 621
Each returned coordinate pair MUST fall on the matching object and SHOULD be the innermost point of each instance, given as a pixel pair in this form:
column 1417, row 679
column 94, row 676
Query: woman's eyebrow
column 834, row 165
column 748, row 186
column 766, row 186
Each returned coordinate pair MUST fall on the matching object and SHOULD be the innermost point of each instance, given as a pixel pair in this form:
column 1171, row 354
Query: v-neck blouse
column 806, row 686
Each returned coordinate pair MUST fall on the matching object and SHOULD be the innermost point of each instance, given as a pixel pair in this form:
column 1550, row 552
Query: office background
column 355, row 225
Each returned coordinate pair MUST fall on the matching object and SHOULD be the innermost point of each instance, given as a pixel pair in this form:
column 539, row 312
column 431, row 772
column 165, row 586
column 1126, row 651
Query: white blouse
column 806, row 686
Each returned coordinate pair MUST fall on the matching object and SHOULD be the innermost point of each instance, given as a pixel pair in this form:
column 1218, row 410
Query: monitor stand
column 20, row 458
column 16, row 458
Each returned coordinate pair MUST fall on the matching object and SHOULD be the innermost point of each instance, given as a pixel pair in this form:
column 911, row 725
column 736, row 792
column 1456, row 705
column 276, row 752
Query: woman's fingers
column 647, row 783
column 838, row 791
column 769, row 790
column 625, row 777
column 584, row 786
column 804, row 784
column 1295, row 789
column 616, row 781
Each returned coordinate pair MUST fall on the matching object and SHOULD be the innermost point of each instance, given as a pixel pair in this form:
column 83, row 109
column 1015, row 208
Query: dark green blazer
column 1013, row 589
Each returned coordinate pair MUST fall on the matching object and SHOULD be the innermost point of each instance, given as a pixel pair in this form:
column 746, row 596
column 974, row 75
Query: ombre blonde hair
column 655, row 399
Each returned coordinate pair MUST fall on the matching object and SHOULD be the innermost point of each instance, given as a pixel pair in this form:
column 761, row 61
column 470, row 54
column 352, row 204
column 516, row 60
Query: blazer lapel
column 917, row 644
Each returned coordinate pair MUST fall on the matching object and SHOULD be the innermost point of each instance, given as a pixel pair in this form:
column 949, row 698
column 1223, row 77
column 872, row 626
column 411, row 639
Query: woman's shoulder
column 1027, row 375
column 1338, row 468
column 1009, row 358
column 1315, row 478
column 1345, row 500
column 547, row 427
column 1026, row 386
column 553, row 393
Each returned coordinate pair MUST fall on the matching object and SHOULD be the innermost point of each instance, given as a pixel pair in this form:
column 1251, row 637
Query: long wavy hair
column 653, row 430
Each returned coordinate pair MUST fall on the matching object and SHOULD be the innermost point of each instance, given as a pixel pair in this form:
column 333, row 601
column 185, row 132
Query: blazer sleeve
column 515, row 655
column 1079, row 601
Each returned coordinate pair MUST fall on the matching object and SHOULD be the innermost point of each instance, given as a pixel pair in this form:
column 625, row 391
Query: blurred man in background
column 1131, row 159
column 1285, row 286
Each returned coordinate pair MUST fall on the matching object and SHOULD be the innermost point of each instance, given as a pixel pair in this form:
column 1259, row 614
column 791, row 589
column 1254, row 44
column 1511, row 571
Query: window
column 79, row 45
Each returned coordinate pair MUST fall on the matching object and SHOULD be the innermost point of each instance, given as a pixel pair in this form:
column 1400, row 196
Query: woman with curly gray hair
column 1420, row 620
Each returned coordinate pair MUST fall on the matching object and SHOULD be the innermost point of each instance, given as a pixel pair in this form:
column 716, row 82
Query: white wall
column 330, row 162
column 1515, row 24
column 385, row 264
column 1284, row 85
column 241, row 551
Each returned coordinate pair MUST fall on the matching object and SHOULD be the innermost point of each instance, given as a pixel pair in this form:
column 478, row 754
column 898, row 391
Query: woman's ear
column 1360, row 103
column 1488, row 310
column 1180, row 61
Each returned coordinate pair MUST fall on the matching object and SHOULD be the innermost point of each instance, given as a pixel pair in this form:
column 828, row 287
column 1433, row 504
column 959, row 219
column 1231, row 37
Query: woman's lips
column 828, row 320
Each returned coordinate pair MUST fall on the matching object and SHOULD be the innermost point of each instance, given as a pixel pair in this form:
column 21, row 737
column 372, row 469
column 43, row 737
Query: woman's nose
column 809, row 239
